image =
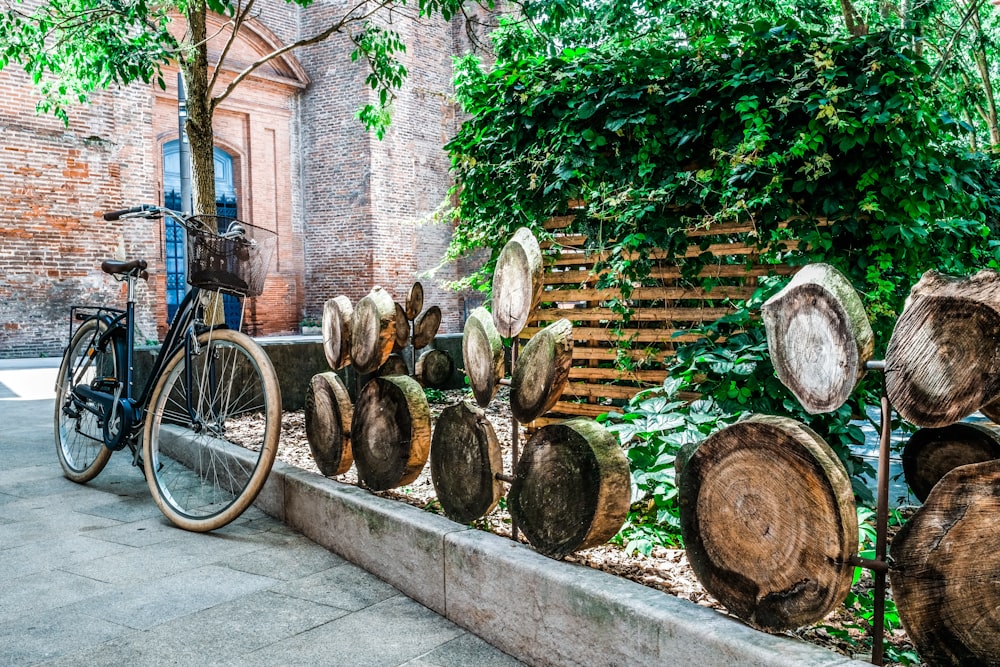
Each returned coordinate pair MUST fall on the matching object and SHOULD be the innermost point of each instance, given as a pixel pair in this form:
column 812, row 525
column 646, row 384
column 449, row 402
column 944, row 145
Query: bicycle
column 209, row 413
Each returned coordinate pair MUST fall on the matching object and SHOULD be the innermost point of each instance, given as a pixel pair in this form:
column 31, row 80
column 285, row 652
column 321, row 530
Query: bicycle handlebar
column 115, row 215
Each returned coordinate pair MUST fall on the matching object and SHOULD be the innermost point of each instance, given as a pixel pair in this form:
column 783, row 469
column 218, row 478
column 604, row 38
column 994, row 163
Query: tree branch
column 237, row 22
column 946, row 54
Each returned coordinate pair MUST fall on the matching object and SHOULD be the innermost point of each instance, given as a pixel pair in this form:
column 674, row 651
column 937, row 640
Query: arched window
column 225, row 203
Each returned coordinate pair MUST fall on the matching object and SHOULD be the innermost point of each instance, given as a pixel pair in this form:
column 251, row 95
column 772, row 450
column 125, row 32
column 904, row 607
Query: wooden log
column 402, row 338
column 773, row 548
column 390, row 432
column 414, row 301
column 434, row 369
column 992, row 411
column 517, row 283
column 943, row 570
column 571, row 487
column 373, row 331
column 426, row 327
column 328, row 423
column 943, row 361
column 337, row 316
column 465, row 460
column 483, row 355
column 931, row 453
column 541, row 372
column 819, row 337
column 394, row 365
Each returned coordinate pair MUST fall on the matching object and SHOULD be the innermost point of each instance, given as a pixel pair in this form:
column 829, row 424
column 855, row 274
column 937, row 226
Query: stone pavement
column 94, row 575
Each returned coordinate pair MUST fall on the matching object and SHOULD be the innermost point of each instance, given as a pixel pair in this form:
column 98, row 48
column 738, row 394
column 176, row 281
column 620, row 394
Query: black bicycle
column 204, row 426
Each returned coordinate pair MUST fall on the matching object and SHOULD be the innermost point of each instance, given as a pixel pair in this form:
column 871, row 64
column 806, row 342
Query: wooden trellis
column 665, row 309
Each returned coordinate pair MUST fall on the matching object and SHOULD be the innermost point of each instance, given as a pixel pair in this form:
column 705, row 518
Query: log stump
column 337, row 317
column 571, row 487
column 517, row 283
column 373, row 331
column 483, row 354
column 390, row 432
column 819, row 337
column 541, row 371
column 943, row 361
column 465, row 460
column 394, row 365
column 426, row 327
column 402, row 338
column 414, row 301
column 931, row 453
column 434, row 369
column 944, row 565
column 328, row 424
column 769, row 522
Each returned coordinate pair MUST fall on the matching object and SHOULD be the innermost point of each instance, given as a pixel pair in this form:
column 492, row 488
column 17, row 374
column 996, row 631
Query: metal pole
column 514, row 432
column 881, row 528
column 184, row 148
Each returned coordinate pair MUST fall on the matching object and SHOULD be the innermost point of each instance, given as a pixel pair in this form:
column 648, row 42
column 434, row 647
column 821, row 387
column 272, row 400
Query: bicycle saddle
column 118, row 268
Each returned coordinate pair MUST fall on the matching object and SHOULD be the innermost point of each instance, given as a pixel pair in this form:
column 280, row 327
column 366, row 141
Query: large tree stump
column 483, row 354
column 414, row 301
column 402, row 338
column 517, row 283
column 328, row 423
column 819, row 337
column 571, row 487
column 373, row 331
column 931, row 453
column 542, row 371
column 426, row 327
column 465, row 460
column 944, row 565
column 943, row 360
column 769, row 522
column 434, row 368
column 390, row 432
column 337, row 316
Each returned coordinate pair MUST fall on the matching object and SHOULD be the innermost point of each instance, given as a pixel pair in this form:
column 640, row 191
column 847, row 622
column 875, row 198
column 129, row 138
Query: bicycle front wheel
column 79, row 426
column 211, row 431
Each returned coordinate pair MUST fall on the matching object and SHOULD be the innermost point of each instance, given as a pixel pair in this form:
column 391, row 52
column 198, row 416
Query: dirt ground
column 665, row 569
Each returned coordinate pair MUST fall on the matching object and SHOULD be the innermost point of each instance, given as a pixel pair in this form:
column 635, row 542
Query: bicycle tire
column 201, row 468
column 79, row 433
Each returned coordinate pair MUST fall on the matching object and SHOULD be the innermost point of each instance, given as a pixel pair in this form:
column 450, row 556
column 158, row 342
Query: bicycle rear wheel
column 211, row 431
column 79, row 423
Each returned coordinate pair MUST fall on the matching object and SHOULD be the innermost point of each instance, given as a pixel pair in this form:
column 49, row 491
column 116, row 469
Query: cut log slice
column 394, row 365
column 483, row 354
column 434, row 369
column 943, row 361
column 517, row 283
column 402, row 330
column 337, row 315
column 328, row 423
column 773, row 548
column 819, row 337
column 571, row 487
column 992, row 411
column 390, row 432
column 465, row 460
column 414, row 301
column 426, row 327
column 373, row 331
column 931, row 453
column 542, row 371
column 944, row 564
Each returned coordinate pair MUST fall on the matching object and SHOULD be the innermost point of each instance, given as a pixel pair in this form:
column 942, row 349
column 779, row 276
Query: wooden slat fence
column 664, row 310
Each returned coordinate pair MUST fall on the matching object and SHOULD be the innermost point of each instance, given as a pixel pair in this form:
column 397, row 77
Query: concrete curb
column 541, row 611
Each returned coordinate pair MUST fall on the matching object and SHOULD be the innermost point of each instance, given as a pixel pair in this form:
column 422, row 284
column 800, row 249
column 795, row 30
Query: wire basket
column 236, row 265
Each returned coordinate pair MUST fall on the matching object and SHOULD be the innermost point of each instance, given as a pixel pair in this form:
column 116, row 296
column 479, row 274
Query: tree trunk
column 819, row 337
column 571, row 487
column 200, row 108
column 944, row 568
column 943, row 362
column 337, row 315
column 390, row 432
column 542, row 371
column 769, row 522
column 517, row 283
column 483, row 355
column 328, row 423
column 373, row 331
column 931, row 453
column 465, row 460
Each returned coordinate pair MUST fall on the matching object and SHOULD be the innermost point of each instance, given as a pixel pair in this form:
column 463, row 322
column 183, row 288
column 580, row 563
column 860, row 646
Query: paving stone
column 346, row 587
column 463, row 651
column 51, row 634
column 52, row 554
column 287, row 558
column 45, row 590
